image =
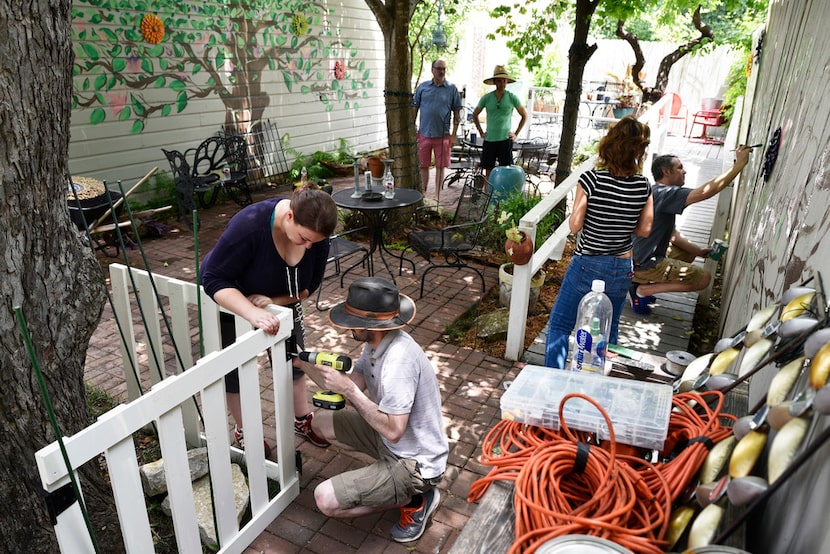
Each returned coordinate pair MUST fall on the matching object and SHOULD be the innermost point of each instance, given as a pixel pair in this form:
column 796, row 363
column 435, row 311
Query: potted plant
column 518, row 247
column 624, row 105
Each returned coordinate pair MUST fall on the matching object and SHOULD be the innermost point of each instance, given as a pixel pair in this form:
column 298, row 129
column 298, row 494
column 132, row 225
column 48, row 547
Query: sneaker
column 413, row 521
column 239, row 440
column 639, row 303
column 303, row 429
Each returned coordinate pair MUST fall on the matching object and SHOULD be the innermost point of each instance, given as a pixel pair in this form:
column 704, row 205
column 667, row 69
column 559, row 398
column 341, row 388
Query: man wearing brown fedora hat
column 499, row 104
column 395, row 414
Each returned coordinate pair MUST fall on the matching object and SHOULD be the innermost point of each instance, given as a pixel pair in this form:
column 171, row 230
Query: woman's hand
column 265, row 320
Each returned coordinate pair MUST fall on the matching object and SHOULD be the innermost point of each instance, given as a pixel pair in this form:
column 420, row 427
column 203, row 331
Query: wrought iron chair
column 453, row 241
column 207, row 161
column 340, row 248
column 237, row 157
column 186, row 184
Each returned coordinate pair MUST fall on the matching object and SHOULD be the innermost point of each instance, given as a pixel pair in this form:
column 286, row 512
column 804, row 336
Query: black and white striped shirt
column 614, row 206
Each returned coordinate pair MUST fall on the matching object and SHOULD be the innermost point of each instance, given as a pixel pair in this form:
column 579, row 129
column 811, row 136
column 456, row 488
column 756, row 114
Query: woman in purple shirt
column 272, row 252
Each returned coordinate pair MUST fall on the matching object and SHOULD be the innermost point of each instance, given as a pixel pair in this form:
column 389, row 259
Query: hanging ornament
column 772, row 154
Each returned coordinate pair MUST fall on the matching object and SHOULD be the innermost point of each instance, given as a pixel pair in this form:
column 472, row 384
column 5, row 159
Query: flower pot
column 519, row 252
column 506, row 286
column 504, row 179
column 375, row 166
column 620, row 113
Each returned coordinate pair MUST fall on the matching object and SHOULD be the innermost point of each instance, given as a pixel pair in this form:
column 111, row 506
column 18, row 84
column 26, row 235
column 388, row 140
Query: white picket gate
column 171, row 404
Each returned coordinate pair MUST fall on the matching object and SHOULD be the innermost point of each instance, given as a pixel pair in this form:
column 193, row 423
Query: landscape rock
column 493, row 326
column 204, row 506
column 152, row 474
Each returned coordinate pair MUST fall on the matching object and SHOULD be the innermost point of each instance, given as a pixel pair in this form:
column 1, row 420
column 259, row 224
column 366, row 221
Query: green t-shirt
column 499, row 114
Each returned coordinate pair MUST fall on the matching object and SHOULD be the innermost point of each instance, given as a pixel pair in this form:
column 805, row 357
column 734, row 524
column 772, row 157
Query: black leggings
column 296, row 343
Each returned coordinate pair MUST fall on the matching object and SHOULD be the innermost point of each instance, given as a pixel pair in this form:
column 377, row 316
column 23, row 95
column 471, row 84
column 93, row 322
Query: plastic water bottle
column 593, row 326
column 304, row 176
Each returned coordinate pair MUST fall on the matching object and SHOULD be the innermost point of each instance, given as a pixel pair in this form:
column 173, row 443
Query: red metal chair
column 676, row 112
column 710, row 115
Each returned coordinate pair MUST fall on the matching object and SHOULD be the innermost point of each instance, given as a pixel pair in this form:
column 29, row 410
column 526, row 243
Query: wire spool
column 677, row 361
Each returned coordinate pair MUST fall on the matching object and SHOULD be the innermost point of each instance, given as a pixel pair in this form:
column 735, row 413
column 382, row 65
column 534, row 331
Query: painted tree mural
column 136, row 59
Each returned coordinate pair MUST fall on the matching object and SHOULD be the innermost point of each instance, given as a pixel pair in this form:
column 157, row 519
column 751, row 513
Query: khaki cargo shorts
column 390, row 481
column 669, row 270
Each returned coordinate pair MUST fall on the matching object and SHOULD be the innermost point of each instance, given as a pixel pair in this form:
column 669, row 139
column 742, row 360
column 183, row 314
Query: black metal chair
column 453, row 241
column 339, row 248
column 185, row 183
column 209, row 158
column 236, row 154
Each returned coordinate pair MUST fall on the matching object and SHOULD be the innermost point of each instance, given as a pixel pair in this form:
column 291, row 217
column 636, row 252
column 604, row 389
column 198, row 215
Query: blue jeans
column 616, row 272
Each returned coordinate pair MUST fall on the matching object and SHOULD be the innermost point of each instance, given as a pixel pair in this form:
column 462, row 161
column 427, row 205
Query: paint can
column 718, row 249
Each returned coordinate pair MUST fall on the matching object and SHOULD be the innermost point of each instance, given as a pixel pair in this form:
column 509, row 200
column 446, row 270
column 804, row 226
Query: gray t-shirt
column 401, row 380
column 669, row 201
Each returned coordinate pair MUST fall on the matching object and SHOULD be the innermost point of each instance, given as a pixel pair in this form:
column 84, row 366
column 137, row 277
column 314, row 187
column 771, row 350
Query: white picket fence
column 171, row 405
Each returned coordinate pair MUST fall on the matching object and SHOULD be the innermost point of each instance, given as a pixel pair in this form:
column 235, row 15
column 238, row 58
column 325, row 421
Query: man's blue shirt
column 436, row 105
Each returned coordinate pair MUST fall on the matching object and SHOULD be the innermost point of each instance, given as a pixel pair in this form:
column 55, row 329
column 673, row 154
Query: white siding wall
column 109, row 150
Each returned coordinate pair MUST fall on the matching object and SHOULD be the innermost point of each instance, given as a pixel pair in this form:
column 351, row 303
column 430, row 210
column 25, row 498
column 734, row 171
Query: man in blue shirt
column 436, row 99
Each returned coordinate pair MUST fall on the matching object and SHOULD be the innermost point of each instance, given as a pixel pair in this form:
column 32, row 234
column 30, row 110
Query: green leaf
column 119, row 65
column 181, row 101
column 196, row 68
column 97, row 116
column 305, row 89
column 100, row 82
column 90, row 51
column 137, row 106
column 138, row 126
column 147, row 65
column 220, row 59
column 166, row 109
column 109, row 35
column 155, row 51
column 177, row 86
column 286, row 77
column 159, row 82
column 125, row 113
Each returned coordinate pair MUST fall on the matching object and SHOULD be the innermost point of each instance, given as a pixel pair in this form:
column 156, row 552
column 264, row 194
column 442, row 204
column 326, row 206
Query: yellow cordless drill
column 327, row 399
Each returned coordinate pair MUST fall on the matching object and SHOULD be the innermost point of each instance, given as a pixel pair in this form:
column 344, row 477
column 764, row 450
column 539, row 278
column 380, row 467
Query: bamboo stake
column 123, row 198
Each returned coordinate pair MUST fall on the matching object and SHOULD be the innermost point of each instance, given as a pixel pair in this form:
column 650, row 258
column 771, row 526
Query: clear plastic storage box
column 639, row 411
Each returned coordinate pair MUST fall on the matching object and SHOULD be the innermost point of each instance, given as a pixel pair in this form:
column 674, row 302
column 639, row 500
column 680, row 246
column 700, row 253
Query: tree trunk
column 46, row 270
column 578, row 55
column 394, row 17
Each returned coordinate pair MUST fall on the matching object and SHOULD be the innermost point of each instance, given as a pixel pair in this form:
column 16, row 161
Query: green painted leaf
column 138, row 126
column 85, row 85
column 109, row 35
column 177, row 85
column 335, row 84
column 159, row 82
column 155, row 51
column 330, row 107
column 220, row 59
column 305, row 89
column 137, row 106
column 286, row 77
column 147, row 65
column 119, row 64
column 181, row 101
column 163, row 64
column 125, row 113
column 366, row 74
column 196, row 68
column 97, row 116
column 95, row 19
column 166, row 109
column 90, row 51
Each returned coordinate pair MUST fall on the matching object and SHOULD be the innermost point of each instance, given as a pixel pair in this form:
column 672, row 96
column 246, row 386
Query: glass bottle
column 388, row 180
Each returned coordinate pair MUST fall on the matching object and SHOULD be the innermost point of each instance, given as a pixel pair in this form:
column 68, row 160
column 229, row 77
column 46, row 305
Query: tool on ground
column 327, row 399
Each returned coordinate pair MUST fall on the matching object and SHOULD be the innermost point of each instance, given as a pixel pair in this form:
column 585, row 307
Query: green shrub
column 515, row 206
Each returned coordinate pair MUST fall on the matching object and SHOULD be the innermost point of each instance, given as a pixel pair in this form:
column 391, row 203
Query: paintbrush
column 751, row 146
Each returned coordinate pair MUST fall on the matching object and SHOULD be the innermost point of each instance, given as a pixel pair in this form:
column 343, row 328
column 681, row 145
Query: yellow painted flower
column 299, row 24
column 152, row 29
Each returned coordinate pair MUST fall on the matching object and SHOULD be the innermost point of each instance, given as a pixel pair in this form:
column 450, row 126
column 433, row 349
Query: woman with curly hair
column 612, row 202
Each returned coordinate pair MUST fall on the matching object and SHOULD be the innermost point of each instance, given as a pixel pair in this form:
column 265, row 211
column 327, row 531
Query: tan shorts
column 669, row 270
column 390, row 481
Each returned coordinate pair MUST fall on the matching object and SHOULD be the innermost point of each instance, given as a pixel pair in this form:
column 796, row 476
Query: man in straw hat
column 395, row 415
column 436, row 99
column 498, row 139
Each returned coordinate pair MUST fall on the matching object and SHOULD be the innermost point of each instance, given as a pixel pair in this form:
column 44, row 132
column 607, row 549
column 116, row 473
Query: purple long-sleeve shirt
column 246, row 259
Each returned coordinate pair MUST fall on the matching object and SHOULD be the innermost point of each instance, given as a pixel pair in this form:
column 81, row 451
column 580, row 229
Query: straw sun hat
column 499, row 73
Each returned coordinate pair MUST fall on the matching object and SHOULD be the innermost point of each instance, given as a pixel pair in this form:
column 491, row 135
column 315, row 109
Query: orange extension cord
column 618, row 497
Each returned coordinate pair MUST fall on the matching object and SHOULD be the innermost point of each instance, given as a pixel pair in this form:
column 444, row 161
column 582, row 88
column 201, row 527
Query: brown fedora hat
column 373, row 304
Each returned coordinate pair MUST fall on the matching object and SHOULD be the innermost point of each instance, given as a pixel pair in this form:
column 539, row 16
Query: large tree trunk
column 394, row 17
column 46, row 270
column 578, row 55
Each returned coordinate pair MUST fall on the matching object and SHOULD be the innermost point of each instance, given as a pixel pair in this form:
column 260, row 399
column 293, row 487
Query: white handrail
column 553, row 247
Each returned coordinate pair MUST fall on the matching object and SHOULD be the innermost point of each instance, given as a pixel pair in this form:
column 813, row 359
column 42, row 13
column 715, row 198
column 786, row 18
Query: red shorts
column 439, row 145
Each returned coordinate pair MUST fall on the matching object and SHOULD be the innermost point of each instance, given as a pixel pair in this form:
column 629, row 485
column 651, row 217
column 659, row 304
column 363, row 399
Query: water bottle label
column 583, row 341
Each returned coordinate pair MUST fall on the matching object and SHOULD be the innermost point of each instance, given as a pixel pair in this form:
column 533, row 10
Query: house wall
column 220, row 62
column 777, row 236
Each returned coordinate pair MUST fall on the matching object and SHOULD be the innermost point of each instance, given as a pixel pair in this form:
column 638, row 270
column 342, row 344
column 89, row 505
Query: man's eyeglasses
column 437, row 68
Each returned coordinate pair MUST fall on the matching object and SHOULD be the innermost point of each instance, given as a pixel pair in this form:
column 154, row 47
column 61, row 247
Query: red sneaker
column 303, row 429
